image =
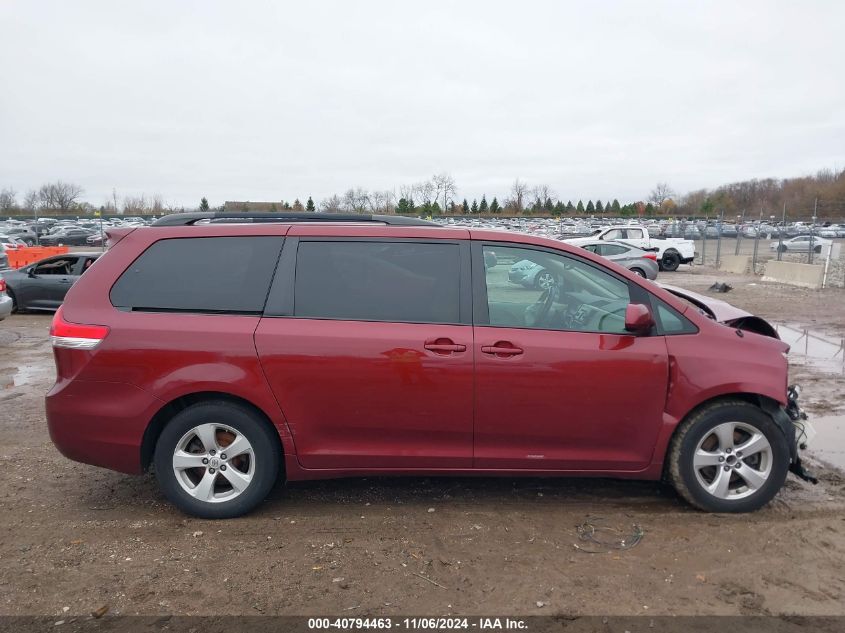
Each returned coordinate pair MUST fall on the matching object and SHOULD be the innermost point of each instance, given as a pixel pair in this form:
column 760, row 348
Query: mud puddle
column 813, row 348
column 829, row 443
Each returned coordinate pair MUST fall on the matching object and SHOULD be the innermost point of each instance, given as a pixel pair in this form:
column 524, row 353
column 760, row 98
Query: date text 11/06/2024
column 351, row 624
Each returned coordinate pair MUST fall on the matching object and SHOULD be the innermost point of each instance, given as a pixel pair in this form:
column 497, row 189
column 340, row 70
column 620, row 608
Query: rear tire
column 670, row 261
column 817, row 249
column 705, row 451
column 11, row 294
column 195, row 473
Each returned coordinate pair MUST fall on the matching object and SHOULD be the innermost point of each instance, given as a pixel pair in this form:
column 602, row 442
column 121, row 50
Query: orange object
column 20, row 257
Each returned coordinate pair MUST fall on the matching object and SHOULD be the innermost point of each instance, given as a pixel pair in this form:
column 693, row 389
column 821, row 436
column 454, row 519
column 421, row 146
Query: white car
column 6, row 302
column 801, row 244
column 671, row 251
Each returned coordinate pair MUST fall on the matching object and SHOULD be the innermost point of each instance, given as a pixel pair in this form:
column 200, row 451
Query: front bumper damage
column 792, row 420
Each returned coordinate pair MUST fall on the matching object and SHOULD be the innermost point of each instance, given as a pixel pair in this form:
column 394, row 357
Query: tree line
column 822, row 193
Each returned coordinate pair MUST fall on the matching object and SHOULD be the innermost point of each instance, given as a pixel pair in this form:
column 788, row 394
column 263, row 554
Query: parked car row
column 65, row 232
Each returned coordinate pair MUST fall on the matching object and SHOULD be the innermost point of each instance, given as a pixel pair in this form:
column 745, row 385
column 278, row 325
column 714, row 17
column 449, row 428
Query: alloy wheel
column 733, row 460
column 214, row 462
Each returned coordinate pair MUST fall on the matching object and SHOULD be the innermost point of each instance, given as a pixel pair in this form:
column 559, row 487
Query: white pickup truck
column 671, row 251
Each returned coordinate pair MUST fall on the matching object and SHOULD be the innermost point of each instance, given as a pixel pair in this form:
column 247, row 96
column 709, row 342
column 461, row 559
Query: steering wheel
column 541, row 308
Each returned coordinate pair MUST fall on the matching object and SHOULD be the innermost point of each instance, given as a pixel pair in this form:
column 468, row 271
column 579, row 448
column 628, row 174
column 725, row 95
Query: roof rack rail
column 187, row 219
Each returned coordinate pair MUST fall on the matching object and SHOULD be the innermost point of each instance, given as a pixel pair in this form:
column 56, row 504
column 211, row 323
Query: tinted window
column 613, row 249
column 204, row 274
column 538, row 289
column 378, row 281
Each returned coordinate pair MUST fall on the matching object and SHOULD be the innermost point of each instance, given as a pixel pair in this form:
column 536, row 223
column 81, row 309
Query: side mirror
column 31, row 273
column 638, row 318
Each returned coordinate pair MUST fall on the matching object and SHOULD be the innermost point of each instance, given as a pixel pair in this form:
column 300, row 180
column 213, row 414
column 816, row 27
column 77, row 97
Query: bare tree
column 332, row 205
column 7, row 199
column 660, row 194
column 30, row 200
column 519, row 189
column 134, row 205
column 407, row 191
column 59, row 195
column 426, row 191
column 542, row 193
column 444, row 186
column 356, row 200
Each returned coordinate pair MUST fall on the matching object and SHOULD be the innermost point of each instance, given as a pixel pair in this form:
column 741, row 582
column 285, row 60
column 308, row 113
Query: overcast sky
column 277, row 100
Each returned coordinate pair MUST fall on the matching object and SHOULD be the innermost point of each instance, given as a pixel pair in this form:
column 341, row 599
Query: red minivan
column 230, row 352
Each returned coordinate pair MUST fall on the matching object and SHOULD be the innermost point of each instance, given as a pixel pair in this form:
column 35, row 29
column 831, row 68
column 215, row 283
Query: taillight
column 75, row 336
column 651, row 256
column 2, row 285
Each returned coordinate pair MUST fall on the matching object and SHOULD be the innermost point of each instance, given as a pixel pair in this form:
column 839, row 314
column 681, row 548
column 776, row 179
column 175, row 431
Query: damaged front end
column 793, row 421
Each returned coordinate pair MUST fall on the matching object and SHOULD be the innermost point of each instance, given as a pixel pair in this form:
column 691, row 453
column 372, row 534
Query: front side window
column 615, row 234
column 203, row 274
column 61, row 266
column 378, row 281
column 538, row 289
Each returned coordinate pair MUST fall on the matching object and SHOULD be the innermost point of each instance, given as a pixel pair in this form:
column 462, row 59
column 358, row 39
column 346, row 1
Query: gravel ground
column 76, row 538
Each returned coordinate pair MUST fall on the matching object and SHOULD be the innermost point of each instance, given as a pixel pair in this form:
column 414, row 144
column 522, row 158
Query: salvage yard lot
column 80, row 537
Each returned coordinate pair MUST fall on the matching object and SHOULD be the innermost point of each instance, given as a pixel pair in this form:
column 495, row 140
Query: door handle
column 65, row 281
column 444, row 346
column 502, row 349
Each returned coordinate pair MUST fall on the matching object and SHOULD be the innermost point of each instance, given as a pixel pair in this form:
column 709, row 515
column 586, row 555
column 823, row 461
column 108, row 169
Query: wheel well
column 166, row 413
column 670, row 251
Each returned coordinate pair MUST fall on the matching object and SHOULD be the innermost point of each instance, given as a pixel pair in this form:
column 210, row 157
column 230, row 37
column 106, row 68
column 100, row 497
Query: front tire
column 217, row 460
column 638, row 271
column 728, row 457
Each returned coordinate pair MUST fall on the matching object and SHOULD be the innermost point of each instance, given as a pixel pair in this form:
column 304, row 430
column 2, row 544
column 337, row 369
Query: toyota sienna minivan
column 231, row 352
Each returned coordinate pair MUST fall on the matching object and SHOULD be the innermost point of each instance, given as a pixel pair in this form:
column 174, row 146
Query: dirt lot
column 75, row 537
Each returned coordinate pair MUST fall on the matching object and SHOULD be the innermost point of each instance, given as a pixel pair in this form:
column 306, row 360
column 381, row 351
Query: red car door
column 560, row 384
column 369, row 352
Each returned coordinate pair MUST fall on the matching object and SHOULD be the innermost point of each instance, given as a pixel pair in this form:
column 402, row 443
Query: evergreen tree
column 599, row 207
column 465, row 207
column 204, row 204
column 494, row 206
column 569, row 207
column 483, row 207
column 591, row 208
column 474, row 207
column 435, row 208
column 402, row 206
column 649, row 209
column 580, row 207
column 309, row 206
column 286, row 206
column 560, row 208
column 615, row 206
column 548, row 205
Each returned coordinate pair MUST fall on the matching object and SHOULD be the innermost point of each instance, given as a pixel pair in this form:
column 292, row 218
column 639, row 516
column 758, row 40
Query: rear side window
column 203, row 274
column 378, row 281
